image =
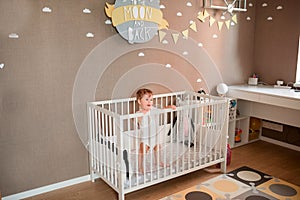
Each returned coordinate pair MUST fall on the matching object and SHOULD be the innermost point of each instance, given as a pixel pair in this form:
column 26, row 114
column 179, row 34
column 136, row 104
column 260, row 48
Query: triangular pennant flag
column 186, row 33
column 227, row 23
column 175, row 37
column 220, row 24
column 193, row 26
column 205, row 14
column 211, row 21
column 234, row 18
column 161, row 35
column 201, row 17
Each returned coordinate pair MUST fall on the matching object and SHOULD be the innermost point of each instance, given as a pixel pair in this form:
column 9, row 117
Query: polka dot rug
column 243, row 183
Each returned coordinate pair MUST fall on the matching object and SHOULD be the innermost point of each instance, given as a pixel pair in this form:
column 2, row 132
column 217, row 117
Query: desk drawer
column 289, row 134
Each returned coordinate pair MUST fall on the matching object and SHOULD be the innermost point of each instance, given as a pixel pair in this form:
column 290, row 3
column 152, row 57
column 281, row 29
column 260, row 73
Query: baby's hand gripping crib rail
column 192, row 137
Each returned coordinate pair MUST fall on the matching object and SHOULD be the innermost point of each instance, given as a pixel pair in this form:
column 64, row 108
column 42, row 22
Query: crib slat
column 91, row 145
column 97, row 132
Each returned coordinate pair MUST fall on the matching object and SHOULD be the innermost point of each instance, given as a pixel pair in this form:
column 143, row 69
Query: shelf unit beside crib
column 238, row 128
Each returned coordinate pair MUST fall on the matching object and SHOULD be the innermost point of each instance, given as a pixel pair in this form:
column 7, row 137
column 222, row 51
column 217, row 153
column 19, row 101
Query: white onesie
column 149, row 128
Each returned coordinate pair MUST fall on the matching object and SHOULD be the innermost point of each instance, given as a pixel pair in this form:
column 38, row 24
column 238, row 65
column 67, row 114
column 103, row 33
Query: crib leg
column 92, row 174
column 223, row 167
column 121, row 196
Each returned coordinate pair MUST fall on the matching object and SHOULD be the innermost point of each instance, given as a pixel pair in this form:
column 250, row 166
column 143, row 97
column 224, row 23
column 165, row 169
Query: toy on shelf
column 237, row 137
column 254, row 128
column 232, row 108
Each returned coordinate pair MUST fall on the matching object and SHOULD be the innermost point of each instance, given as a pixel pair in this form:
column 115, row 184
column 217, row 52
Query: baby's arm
column 171, row 106
column 139, row 120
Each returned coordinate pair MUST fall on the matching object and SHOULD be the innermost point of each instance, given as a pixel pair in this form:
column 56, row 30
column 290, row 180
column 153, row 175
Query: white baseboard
column 290, row 146
column 48, row 188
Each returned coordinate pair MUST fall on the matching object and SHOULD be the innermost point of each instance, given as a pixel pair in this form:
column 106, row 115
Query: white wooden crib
column 192, row 137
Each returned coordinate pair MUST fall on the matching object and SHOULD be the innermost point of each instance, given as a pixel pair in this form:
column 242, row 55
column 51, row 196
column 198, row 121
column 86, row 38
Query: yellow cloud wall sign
column 134, row 22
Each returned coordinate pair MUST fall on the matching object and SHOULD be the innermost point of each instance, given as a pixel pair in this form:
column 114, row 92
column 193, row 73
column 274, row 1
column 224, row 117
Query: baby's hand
column 172, row 107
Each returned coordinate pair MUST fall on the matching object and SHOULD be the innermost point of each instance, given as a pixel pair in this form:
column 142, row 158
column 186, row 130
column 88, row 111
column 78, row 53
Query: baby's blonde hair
column 141, row 92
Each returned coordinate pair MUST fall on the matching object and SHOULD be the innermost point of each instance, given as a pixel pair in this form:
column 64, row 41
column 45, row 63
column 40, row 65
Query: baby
column 148, row 126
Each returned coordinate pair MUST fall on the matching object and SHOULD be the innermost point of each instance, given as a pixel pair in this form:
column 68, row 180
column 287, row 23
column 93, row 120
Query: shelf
column 238, row 128
column 241, row 117
column 237, row 144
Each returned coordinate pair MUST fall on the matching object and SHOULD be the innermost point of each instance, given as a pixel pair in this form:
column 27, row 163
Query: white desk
column 266, row 102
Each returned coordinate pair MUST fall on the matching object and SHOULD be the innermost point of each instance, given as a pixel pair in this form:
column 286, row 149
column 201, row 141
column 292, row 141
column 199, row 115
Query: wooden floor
column 271, row 159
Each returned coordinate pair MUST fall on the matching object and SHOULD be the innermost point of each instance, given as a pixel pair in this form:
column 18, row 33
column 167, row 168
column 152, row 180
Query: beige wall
column 276, row 41
column 40, row 140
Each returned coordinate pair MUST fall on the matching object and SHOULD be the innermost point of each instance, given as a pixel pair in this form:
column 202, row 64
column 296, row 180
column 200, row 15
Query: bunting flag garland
column 202, row 15
column 227, row 23
column 205, row 13
column 193, row 26
column 220, row 24
column 161, row 35
column 234, row 18
column 185, row 33
column 175, row 37
column 211, row 21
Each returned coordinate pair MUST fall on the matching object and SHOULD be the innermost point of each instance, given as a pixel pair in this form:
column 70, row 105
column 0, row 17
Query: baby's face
column 146, row 102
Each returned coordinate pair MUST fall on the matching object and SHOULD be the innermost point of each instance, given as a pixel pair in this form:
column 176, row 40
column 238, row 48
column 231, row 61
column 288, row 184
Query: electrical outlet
column 272, row 126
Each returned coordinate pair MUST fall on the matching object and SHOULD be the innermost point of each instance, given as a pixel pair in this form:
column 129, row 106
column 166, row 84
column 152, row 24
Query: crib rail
column 192, row 137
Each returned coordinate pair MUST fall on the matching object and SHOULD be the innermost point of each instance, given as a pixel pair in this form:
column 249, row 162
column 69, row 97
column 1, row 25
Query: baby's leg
column 157, row 157
column 143, row 149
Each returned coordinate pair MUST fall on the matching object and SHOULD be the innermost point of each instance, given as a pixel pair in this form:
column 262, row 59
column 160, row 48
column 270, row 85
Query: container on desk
column 252, row 81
